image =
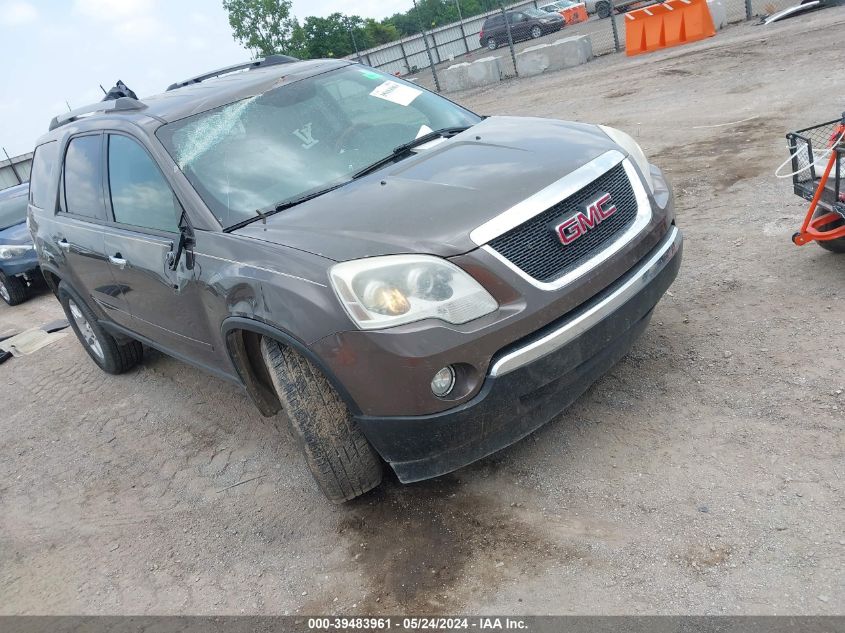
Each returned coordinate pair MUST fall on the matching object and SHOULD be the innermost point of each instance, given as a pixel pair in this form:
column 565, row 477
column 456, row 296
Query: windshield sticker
column 304, row 134
column 369, row 74
column 396, row 93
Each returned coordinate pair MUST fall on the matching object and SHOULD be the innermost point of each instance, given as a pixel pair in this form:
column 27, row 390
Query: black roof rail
column 123, row 104
column 270, row 60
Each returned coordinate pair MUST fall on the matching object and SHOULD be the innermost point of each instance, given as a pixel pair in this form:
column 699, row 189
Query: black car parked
column 407, row 280
column 525, row 24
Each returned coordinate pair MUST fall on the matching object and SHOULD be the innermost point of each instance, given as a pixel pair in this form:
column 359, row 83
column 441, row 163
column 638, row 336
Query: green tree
column 332, row 36
column 377, row 33
column 434, row 13
column 265, row 26
column 406, row 23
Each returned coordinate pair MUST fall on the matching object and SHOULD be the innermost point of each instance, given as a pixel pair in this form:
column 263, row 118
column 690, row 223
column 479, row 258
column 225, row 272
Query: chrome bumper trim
column 590, row 317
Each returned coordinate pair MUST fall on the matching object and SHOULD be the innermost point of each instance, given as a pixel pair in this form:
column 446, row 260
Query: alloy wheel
column 85, row 329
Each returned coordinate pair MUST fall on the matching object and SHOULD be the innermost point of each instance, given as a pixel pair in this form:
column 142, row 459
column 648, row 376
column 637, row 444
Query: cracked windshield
column 301, row 137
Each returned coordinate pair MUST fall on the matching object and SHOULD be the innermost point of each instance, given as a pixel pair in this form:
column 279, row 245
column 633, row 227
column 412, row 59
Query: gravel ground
column 703, row 474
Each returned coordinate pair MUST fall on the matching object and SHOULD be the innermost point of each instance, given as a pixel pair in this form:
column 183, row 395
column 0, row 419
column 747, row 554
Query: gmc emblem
column 593, row 214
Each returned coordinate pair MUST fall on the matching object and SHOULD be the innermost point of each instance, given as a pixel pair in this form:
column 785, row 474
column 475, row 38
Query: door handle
column 63, row 244
column 118, row 261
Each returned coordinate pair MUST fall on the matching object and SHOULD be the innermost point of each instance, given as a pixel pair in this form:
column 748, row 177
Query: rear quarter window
column 41, row 187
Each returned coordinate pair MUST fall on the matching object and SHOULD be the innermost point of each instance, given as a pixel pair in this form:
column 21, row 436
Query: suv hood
column 432, row 200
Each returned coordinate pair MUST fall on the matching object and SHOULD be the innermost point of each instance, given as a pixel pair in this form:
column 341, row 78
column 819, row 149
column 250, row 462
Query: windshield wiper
column 263, row 214
column 399, row 151
column 292, row 202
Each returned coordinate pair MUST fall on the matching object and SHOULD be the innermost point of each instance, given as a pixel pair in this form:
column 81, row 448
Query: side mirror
column 184, row 247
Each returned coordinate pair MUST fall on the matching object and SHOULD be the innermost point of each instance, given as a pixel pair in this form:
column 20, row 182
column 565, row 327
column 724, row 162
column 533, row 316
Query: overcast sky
column 57, row 50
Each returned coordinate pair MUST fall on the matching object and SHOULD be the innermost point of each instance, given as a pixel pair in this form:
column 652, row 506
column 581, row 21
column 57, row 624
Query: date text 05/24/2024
column 416, row 624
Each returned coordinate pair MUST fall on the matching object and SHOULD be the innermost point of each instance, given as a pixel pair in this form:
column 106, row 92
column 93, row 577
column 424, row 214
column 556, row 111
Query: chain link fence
column 419, row 59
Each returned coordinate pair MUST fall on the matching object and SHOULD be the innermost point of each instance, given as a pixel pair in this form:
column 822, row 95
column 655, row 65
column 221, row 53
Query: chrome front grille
column 535, row 248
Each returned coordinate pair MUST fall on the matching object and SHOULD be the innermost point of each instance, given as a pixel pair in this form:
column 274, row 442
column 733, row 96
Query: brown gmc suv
column 404, row 280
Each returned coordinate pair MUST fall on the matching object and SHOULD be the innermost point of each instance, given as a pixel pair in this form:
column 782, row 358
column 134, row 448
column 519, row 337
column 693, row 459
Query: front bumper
column 532, row 381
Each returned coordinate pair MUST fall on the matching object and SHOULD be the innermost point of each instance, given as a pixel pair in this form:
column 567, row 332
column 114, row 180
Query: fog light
column 443, row 382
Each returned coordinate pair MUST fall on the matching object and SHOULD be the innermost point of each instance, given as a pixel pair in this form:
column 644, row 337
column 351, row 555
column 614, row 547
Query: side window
column 140, row 196
column 40, row 179
column 83, row 184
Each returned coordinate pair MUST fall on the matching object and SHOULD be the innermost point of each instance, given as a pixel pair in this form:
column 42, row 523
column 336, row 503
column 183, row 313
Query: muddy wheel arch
column 243, row 344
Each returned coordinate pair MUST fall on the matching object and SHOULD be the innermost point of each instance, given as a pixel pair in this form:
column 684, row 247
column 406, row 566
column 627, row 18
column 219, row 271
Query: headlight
column 634, row 151
column 10, row 252
column 384, row 291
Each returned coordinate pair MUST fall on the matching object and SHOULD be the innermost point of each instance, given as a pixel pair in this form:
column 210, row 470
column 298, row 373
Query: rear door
column 78, row 230
column 497, row 29
column 165, row 304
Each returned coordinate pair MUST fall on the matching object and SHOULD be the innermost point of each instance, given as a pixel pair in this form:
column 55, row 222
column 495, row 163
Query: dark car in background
column 525, row 24
column 18, row 260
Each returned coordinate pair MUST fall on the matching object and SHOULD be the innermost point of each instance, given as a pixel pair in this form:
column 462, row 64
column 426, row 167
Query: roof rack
column 270, row 60
column 123, row 104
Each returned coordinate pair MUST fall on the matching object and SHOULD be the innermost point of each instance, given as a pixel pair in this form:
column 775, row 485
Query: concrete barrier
column 719, row 13
column 463, row 76
column 455, row 77
column 487, row 70
column 563, row 53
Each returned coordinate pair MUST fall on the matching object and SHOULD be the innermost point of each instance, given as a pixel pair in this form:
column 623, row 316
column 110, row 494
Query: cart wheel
column 834, row 246
column 795, row 238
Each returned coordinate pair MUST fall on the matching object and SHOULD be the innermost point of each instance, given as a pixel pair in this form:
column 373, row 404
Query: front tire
column 340, row 458
column 536, row 32
column 603, row 10
column 109, row 355
column 12, row 290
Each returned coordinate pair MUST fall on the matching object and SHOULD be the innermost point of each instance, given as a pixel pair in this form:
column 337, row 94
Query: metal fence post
column 461, row 22
column 510, row 36
column 615, row 28
column 427, row 48
column 436, row 46
column 749, row 10
column 404, row 55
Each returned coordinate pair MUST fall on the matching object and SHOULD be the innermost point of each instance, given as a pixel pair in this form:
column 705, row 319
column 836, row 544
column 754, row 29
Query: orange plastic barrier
column 669, row 24
column 576, row 14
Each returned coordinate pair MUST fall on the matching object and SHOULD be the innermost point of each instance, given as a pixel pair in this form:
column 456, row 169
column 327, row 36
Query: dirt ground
column 703, row 474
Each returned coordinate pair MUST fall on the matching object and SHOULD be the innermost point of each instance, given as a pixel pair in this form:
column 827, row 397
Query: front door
column 77, row 233
column 519, row 25
column 165, row 304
